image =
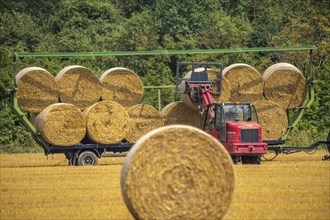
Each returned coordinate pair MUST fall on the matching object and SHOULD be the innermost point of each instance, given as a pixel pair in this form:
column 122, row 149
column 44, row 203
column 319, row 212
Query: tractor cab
column 236, row 126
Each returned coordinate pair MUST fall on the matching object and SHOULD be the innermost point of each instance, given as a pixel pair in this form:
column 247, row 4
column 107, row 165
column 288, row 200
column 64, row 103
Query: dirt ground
column 33, row 186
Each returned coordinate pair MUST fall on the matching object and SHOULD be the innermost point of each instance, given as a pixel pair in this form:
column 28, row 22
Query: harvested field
column 31, row 187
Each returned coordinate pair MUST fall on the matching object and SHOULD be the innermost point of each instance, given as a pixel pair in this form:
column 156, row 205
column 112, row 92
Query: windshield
column 239, row 112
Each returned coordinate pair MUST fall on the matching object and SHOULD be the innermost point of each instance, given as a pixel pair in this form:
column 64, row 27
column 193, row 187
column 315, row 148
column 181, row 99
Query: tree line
column 132, row 25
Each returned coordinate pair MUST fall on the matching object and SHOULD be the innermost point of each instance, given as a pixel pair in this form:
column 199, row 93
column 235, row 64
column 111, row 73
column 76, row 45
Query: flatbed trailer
column 87, row 153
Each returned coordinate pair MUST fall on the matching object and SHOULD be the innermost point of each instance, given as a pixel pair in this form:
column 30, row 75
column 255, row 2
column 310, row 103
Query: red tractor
column 235, row 125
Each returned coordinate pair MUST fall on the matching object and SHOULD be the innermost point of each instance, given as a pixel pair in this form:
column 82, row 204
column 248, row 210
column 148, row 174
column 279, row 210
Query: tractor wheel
column 236, row 159
column 255, row 160
column 245, row 160
column 87, row 158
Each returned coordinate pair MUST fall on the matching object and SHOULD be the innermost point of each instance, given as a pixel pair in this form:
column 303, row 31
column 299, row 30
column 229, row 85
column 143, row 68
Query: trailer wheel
column 87, row 158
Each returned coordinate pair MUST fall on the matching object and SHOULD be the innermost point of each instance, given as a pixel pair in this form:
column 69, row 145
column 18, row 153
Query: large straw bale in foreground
column 285, row 85
column 107, row 122
column 246, row 82
column 272, row 118
column 143, row 118
column 212, row 74
column 61, row 124
column 37, row 89
column 180, row 113
column 178, row 172
column 121, row 85
column 79, row 86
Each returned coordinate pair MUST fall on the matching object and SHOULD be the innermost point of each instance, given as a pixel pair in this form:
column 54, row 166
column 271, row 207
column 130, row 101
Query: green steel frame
column 293, row 120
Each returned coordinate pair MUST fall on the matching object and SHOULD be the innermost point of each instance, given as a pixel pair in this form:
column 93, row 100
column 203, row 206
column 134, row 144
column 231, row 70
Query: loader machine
column 235, row 125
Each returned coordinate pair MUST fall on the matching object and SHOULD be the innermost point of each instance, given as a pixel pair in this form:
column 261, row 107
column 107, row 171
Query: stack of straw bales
column 58, row 103
column 190, row 175
column 282, row 86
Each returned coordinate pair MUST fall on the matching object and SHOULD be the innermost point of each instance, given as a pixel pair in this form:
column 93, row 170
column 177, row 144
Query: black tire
column 251, row 160
column 87, row 158
column 236, row 159
column 255, row 160
column 245, row 160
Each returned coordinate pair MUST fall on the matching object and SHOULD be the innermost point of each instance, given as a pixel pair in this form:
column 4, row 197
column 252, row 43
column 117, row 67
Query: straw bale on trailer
column 37, row 89
column 121, row 85
column 272, row 118
column 107, row 122
column 79, row 86
column 285, row 85
column 61, row 124
column 143, row 118
column 246, row 82
column 180, row 113
column 212, row 74
column 177, row 172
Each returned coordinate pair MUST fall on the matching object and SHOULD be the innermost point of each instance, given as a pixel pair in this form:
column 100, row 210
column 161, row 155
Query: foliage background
column 124, row 25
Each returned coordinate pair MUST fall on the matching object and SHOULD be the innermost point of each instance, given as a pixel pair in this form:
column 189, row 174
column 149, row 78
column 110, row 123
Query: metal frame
column 55, row 149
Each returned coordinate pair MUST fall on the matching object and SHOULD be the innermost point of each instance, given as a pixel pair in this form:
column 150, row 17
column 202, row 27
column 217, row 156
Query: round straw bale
column 37, row 89
column 121, row 85
column 61, row 124
column 143, row 118
column 79, row 86
column 212, row 74
column 272, row 118
column 177, row 172
column 107, row 122
column 180, row 113
column 285, row 85
column 245, row 81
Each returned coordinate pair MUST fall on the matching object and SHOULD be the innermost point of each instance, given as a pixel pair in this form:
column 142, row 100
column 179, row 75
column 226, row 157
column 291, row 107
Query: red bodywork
column 235, row 146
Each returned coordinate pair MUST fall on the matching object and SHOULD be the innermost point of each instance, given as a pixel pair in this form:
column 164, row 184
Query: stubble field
column 34, row 187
